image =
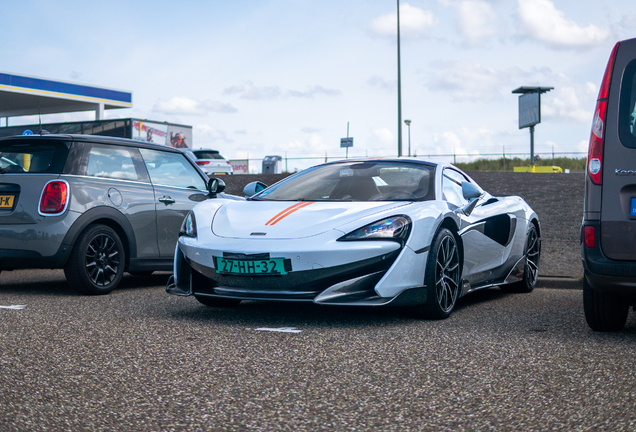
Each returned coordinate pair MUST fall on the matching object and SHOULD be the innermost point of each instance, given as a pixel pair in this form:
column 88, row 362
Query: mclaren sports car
column 368, row 232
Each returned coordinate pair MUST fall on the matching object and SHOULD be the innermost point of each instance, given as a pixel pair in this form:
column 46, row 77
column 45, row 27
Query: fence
column 293, row 164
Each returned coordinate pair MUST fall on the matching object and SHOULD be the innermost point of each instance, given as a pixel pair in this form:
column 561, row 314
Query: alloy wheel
column 102, row 260
column 447, row 274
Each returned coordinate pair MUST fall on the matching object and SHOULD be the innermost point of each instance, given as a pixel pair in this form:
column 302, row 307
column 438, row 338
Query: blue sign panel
column 27, row 132
column 633, row 207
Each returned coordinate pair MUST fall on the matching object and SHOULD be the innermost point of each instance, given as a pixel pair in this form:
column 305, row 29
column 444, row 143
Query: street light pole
column 408, row 124
column 399, row 84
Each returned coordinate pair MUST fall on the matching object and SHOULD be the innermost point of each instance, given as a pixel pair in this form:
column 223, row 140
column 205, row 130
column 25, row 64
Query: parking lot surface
column 139, row 359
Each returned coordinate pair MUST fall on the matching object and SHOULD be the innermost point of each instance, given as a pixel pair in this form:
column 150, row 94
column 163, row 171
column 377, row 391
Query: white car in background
column 211, row 161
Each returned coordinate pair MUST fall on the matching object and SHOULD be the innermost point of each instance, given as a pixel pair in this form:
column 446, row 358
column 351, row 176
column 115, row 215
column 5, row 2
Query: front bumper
column 352, row 283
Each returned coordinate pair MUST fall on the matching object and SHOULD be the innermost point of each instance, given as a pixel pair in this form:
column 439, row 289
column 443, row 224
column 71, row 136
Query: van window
column 627, row 108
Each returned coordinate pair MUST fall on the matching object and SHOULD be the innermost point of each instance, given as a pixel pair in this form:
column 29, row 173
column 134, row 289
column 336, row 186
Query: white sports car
column 364, row 232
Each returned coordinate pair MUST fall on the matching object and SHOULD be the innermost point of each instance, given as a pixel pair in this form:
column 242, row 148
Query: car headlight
column 395, row 228
column 189, row 226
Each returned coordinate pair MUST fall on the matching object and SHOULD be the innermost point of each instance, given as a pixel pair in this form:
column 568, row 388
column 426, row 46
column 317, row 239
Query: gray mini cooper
column 94, row 206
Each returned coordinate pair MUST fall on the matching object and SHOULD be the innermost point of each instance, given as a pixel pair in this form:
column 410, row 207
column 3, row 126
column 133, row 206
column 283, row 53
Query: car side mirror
column 470, row 191
column 215, row 186
column 472, row 194
column 253, row 188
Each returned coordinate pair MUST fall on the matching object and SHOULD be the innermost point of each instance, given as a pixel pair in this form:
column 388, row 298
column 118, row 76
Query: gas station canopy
column 27, row 95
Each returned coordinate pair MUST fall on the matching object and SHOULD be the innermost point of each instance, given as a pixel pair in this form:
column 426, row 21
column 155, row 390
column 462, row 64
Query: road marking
column 280, row 330
column 14, row 307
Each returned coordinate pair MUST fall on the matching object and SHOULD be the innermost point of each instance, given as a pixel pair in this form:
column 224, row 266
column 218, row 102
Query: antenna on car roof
column 39, row 117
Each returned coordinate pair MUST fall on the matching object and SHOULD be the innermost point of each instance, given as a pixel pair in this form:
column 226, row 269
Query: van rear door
column 618, row 201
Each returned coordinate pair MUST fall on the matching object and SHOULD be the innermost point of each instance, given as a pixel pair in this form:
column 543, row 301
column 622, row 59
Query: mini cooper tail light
column 54, row 198
column 589, row 236
column 597, row 137
column 201, row 163
column 189, row 226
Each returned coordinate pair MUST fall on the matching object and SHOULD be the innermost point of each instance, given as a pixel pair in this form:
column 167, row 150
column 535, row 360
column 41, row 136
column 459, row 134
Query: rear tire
column 216, row 301
column 442, row 277
column 606, row 312
column 96, row 264
column 532, row 254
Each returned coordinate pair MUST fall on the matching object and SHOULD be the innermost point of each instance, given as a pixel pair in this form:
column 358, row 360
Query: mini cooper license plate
column 6, row 201
column 273, row 266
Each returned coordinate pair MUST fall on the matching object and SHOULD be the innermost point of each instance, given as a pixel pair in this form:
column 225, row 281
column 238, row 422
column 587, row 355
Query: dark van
column 608, row 233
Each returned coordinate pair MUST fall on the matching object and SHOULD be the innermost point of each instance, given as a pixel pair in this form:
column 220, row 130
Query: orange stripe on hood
column 289, row 210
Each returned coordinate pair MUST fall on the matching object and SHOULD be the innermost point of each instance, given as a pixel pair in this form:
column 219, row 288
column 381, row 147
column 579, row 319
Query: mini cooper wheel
column 442, row 277
column 96, row 264
column 216, row 301
column 531, row 266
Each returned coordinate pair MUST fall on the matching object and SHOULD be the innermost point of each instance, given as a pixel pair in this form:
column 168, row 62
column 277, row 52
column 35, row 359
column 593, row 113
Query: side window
column 627, row 107
column 111, row 162
column 172, row 169
column 452, row 186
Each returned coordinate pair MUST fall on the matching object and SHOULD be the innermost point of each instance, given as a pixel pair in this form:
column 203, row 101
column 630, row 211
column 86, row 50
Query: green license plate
column 273, row 266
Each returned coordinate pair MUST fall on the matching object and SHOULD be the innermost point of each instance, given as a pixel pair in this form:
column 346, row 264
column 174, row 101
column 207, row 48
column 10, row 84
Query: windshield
column 208, row 155
column 357, row 181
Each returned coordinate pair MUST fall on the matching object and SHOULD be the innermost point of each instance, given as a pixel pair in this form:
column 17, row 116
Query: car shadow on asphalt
column 53, row 282
column 285, row 314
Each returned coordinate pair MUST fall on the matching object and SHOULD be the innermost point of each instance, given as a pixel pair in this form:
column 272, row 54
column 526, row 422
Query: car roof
column 389, row 159
column 98, row 139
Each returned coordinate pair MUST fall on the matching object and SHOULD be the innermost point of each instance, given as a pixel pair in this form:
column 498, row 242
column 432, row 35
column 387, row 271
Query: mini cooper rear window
column 627, row 109
column 37, row 156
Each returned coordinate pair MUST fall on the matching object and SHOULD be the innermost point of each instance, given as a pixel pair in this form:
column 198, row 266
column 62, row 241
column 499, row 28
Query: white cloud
column 465, row 80
column 379, row 82
column 476, row 20
column 250, row 91
column 184, row 105
column 312, row 91
column 383, row 138
column 205, row 135
column 573, row 102
column 629, row 21
column 451, row 143
column 414, row 22
column 540, row 20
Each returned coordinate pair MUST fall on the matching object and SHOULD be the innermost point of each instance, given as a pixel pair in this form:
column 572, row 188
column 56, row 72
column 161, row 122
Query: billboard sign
column 346, row 142
column 149, row 132
column 240, row 166
column 172, row 135
column 529, row 110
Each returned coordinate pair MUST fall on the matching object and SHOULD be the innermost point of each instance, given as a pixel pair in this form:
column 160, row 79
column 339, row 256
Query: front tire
column 442, row 277
column 96, row 264
column 216, row 301
column 606, row 312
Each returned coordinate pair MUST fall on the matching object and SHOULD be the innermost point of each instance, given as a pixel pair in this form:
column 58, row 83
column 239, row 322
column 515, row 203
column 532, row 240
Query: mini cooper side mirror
column 215, row 186
column 253, row 188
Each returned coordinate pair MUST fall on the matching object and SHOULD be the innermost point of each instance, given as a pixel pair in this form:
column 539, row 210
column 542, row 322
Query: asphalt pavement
column 141, row 360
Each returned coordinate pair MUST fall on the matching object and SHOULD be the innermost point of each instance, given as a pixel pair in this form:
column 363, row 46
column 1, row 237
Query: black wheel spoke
column 447, row 274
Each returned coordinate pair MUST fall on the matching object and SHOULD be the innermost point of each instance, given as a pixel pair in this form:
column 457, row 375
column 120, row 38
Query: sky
column 283, row 77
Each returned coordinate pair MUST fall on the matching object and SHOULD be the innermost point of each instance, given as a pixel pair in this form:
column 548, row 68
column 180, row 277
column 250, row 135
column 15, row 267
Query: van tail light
column 54, row 198
column 229, row 163
column 589, row 236
column 597, row 137
column 201, row 163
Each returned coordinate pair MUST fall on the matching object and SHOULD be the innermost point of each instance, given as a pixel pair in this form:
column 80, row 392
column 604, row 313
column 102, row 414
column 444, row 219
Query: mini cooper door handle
column 166, row 200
